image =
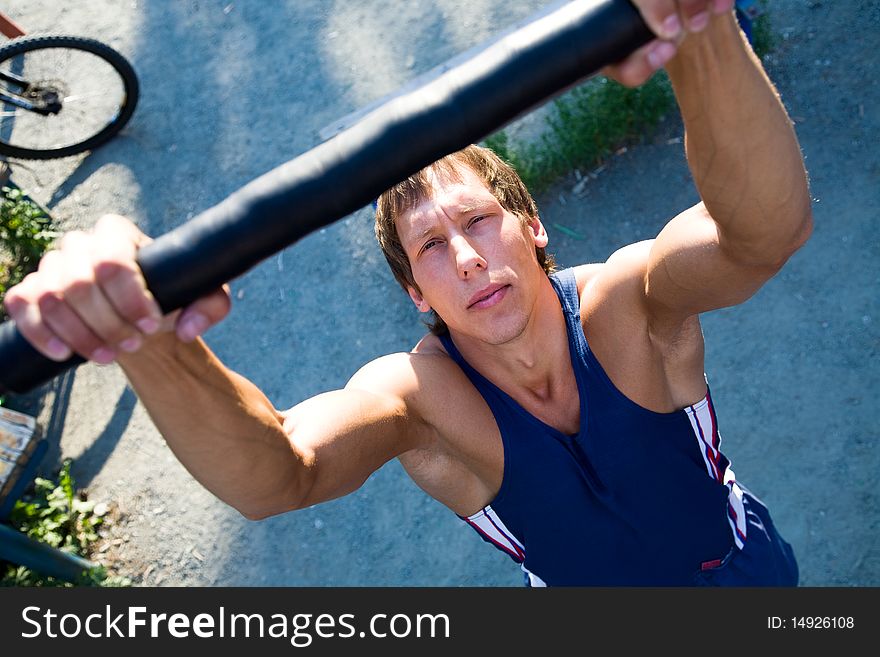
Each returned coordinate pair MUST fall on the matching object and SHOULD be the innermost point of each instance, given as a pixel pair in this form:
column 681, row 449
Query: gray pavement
column 231, row 89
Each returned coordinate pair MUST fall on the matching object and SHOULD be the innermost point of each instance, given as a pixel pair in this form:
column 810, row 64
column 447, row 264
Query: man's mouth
column 488, row 296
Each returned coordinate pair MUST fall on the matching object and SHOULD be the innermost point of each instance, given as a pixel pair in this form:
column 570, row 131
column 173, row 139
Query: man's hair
column 499, row 177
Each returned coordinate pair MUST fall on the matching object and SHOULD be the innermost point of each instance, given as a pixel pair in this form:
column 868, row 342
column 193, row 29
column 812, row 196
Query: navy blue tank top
column 634, row 498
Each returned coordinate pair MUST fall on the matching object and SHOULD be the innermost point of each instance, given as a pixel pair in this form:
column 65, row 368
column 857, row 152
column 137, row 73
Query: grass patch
column 55, row 513
column 58, row 515
column 592, row 121
column 585, row 126
column 25, row 234
column 764, row 39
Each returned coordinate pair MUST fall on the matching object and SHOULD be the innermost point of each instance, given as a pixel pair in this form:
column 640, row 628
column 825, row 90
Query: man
column 566, row 418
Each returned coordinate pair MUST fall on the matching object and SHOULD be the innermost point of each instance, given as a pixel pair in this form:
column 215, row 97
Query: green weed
column 25, row 234
column 54, row 514
column 587, row 124
column 584, row 127
column 764, row 39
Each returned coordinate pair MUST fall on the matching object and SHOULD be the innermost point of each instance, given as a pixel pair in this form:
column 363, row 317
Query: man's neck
column 529, row 364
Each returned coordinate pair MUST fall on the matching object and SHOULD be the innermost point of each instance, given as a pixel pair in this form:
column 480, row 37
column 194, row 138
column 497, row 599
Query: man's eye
column 476, row 219
column 429, row 245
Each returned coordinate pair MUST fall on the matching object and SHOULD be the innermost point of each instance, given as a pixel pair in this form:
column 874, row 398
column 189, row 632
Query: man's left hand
column 671, row 21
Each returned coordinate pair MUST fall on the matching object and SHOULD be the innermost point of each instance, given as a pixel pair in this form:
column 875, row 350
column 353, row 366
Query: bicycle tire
column 118, row 112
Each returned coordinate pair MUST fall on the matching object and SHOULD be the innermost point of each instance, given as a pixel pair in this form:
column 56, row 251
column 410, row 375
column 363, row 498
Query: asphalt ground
column 231, row 89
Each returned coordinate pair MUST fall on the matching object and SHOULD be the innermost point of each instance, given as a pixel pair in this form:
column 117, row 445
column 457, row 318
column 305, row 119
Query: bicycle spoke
column 83, row 91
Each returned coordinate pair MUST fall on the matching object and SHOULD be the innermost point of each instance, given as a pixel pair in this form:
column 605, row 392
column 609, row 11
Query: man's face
column 473, row 261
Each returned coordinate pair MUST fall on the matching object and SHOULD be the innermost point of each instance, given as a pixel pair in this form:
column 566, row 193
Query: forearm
column 220, row 426
column 740, row 144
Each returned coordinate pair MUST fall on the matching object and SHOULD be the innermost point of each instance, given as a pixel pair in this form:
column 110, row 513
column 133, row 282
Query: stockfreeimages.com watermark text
column 300, row 629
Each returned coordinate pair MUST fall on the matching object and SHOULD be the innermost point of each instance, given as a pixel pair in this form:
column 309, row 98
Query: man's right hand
column 88, row 296
column 670, row 21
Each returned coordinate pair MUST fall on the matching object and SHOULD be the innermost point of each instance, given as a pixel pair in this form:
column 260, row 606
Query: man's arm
column 746, row 162
column 262, row 461
column 88, row 297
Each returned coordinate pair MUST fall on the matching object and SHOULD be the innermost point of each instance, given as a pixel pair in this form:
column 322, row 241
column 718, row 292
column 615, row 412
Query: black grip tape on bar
column 344, row 174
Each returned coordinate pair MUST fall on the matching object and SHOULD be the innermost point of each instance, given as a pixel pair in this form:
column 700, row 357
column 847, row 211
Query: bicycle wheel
column 62, row 95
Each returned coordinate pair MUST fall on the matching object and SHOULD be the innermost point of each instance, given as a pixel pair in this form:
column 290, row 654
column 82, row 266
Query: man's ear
column 538, row 233
column 418, row 299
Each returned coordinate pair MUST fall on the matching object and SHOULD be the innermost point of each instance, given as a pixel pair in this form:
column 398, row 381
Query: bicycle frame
column 9, row 28
column 50, row 106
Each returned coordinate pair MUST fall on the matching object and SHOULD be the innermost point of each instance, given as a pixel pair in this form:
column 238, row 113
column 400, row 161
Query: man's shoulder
column 414, row 375
column 613, row 306
column 616, row 284
column 430, row 382
column 583, row 274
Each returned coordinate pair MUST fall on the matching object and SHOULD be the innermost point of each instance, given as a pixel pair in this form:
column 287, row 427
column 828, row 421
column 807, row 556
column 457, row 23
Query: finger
column 22, row 308
column 52, row 289
column 203, row 314
column 93, row 324
column 722, row 6
column 75, row 278
column 116, row 272
column 124, row 229
column 125, row 289
column 662, row 17
column 695, row 14
column 642, row 64
column 71, row 330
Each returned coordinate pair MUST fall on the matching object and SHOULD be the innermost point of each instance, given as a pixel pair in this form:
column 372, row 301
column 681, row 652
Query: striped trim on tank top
column 489, row 526
column 705, row 426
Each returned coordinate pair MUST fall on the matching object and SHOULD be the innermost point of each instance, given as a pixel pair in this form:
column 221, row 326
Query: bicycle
column 60, row 95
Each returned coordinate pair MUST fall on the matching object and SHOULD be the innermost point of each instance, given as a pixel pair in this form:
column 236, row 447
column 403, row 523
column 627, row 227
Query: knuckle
column 691, row 10
column 49, row 259
column 18, row 290
column 71, row 239
column 78, row 290
column 113, row 219
column 18, row 296
column 662, row 17
column 109, row 270
column 108, row 219
column 48, row 302
column 658, row 9
column 122, row 227
column 13, row 303
column 23, row 283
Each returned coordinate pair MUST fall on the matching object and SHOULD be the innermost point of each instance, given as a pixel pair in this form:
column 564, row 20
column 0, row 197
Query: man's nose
column 467, row 259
